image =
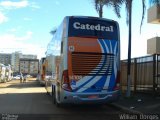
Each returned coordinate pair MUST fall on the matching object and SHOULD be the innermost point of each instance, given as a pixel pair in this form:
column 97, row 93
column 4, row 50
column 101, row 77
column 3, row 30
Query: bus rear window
column 99, row 28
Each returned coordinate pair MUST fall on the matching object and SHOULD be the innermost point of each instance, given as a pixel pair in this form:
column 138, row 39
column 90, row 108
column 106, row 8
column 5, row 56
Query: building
column 154, row 14
column 5, row 58
column 29, row 66
column 15, row 60
column 153, row 18
column 28, row 56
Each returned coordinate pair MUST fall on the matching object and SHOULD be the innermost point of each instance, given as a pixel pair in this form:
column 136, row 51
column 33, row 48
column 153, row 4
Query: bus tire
column 53, row 96
column 55, row 100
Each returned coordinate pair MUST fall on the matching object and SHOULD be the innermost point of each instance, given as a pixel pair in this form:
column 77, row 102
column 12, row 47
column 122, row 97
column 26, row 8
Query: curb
column 126, row 109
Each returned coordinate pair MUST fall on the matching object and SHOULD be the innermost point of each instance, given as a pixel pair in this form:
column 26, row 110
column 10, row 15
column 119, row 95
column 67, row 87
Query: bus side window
column 61, row 47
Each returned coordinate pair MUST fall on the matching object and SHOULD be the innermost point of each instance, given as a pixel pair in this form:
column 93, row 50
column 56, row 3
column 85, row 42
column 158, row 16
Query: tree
column 128, row 4
column 154, row 2
column 116, row 4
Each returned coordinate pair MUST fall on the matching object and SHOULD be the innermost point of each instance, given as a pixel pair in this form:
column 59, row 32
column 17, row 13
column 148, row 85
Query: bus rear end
column 93, row 57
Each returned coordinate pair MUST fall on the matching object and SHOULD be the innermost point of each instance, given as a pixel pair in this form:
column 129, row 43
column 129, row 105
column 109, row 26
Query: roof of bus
column 91, row 17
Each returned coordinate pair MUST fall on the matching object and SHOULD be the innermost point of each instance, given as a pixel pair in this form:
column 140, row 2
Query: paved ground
column 16, row 97
column 140, row 103
column 29, row 101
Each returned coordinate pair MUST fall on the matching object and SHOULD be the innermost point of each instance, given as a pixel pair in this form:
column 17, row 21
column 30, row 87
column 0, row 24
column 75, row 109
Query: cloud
column 12, row 43
column 34, row 49
column 26, row 37
column 21, row 4
column 11, row 38
column 3, row 18
column 34, row 5
column 12, row 30
column 9, row 4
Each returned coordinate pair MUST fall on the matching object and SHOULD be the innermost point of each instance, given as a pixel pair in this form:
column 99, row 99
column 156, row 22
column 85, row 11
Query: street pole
column 129, row 51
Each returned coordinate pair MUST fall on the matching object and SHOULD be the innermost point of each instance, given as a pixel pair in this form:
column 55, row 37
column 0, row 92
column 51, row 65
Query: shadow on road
column 17, row 84
column 29, row 101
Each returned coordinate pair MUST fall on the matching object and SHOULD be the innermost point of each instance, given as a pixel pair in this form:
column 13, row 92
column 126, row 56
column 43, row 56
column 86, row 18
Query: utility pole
column 129, row 51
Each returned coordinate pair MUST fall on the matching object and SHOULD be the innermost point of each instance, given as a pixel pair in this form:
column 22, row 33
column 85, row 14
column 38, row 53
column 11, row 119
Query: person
column 21, row 77
column 25, row 78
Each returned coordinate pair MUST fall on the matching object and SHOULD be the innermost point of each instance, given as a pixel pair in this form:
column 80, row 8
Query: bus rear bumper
column 90, row 98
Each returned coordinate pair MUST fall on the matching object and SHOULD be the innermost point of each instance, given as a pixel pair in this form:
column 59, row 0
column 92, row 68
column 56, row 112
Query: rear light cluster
column 117, row 86
column 65, row 81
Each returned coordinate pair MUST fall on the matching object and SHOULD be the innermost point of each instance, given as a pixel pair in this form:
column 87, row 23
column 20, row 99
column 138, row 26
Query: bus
column 2, row 73
column 42, row 71
column 86, row 54
column 8, row 73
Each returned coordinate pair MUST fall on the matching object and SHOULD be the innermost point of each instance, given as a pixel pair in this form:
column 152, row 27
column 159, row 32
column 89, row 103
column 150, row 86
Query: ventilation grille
column 92, row 63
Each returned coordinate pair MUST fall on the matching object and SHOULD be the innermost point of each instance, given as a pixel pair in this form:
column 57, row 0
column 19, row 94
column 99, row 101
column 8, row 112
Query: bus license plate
column 93, row 96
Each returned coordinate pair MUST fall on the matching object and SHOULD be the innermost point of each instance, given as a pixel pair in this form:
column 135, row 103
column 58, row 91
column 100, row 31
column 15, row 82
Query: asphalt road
column 29, row 101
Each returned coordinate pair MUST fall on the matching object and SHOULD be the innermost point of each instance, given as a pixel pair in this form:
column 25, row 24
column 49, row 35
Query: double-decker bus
column 87, row 61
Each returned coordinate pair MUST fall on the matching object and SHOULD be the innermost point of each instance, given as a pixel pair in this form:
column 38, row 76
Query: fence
column 145, row 75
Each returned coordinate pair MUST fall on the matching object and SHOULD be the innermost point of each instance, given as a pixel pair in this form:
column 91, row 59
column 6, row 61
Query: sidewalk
column 140, row 103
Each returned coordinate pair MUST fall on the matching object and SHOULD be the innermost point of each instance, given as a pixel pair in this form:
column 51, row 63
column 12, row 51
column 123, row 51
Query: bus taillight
column 117, row 86
column 65, row 82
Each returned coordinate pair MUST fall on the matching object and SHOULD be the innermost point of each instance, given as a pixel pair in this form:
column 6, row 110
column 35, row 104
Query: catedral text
column 97, row 27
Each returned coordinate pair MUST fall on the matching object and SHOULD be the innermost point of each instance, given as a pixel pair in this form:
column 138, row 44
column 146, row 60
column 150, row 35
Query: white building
column 5, row 58
column 28, row 56
column 15, row 60
column 29, row 66
column 154, row 18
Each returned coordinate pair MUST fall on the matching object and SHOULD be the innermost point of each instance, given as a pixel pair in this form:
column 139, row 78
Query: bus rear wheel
column 55, row 100
column 53, row 97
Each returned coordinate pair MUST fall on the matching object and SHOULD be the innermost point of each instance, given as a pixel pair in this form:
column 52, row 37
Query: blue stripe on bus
column 84, row 83
column 113, row 77
column 105, row 51
column 98, row 86
column 102, row 81
column 103, row 47
column 105, row 57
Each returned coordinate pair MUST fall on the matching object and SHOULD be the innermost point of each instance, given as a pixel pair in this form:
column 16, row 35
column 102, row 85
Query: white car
column 17, row 77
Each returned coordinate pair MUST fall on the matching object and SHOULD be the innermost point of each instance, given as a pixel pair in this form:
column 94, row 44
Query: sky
column 25, row 25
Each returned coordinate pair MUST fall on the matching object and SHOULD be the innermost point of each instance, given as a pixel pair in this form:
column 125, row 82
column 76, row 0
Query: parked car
column 17, row 77
column 28, row 76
